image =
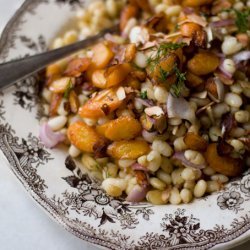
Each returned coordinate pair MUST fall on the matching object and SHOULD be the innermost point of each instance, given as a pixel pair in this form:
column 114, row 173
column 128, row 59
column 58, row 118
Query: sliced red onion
column 154, row 111
column 147, row 103
column 242, row 56
column 222, row 69
column 149, row 136
column 188, row 10
column 220, row 91
column 49, row 138
column 224, row 79
column 137, row 194
column 201, row 95
column 137, row 166
column 222, row 23
column 180, row 108
column 200, row 110
column 194, row 18
column 180, row 157
column 220, row 55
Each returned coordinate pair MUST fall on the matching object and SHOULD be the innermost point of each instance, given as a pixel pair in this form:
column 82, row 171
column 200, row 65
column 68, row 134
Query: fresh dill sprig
column 144, row 95
column 242, row 20
column 163, row 75
column 177, row 88
column 161, row 51
column 68, row 89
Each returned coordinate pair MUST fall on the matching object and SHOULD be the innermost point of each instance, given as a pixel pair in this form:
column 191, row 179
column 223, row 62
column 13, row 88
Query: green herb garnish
column 161, row 51
column 106, row 173
column 177, row 88
column 98, row 167
column 242, row 20
column 144, row 95
column 68, row 89
column 163, row 75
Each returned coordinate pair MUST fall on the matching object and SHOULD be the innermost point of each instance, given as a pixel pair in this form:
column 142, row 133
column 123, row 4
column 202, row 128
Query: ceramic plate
column 73, row 199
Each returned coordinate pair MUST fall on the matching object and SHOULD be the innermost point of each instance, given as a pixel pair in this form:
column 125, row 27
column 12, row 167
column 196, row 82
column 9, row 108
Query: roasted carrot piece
column 128, row 149
column 77, row 66
column 128, row 12
column 54, row 104
column 223, row 164
column 117, row 74
column 122, row 128
column 105, row 102
column 102, row 56
column 83, row 136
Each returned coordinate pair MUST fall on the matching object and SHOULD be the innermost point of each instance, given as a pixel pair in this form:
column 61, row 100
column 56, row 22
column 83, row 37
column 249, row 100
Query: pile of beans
column 159, row 112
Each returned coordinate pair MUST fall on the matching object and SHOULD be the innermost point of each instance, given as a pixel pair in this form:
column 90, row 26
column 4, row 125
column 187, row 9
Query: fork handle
column 17, row 70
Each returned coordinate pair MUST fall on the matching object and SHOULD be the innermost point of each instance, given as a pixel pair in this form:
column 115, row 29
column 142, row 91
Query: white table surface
column 23, row 225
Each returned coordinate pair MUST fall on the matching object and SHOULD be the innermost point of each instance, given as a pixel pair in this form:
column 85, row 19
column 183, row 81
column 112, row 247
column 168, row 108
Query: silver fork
column 14, row 71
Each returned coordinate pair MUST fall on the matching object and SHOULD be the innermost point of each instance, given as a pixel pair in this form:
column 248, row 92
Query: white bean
column 239, row 146
column 214, row 133
column 229, row 66
column 173, row 10
column 186, row 195
column 189, row 185
column 230, row 45
column 111, row 170
column 157, row 183
column 70, row 37
column 213, row 186
column 174, row 121
column 47, row 94
column 89, row 162
column 208, row 171
column 161, row 7
column 233, row 100
column 242, row 116
column 179, row 144
column 175, row 197
column 220, row 178
column 140, row 60
column 194, row 157
column 176, row 177
column 188, row 174
column 58, row 43
column 163, row 176
column 154, row 161
column 220, row 109
column 74, row 151
column 143, row 160
column 160, row 94
column 57, row 122
column 162, row 147
column 111, row 8
column 125, row 163
column 155, row 197
column 114, row 186
column 236, row 88
column 200, row 188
